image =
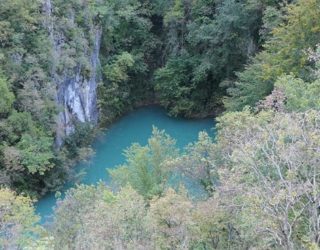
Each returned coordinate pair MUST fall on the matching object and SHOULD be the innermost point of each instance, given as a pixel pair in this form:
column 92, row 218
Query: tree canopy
column 257, row 180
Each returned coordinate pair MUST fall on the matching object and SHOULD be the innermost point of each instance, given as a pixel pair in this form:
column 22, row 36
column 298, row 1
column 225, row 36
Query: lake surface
column 133, row 127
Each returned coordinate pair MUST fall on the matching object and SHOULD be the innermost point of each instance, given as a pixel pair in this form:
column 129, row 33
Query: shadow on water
column 133, row 127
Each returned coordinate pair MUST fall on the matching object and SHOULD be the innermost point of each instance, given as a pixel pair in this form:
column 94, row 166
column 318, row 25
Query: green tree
column 94, row 217
column 175, row 86
column 113, row 97
column 16, row 125
column 284, row 53
column 6, row 96
column 197, row 163
column 268, row 164
column 69, row 213
column 171, row 219
column 36, row 155
column 206, row 42
column 300, row 96
column 25, row 55
column 131, row 49
column 146, row 168
column 18, row 221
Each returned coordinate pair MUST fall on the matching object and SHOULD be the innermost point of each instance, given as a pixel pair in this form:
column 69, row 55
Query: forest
column 69, row 68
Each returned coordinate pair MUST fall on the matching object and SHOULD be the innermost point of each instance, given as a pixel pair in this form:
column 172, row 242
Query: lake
column 133, row 127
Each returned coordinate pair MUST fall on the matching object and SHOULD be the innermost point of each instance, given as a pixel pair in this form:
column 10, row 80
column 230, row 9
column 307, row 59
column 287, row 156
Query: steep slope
column 76, row 82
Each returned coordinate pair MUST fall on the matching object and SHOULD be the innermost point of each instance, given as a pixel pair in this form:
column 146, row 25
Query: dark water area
column 135, row 127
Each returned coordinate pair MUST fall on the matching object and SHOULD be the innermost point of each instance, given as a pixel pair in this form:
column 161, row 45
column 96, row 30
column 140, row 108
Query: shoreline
column 101, row 128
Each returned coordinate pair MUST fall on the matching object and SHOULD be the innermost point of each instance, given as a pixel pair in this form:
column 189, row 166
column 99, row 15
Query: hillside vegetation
column 253, row 63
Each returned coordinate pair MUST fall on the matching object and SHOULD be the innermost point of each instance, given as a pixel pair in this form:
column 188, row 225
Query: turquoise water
column 133, row 127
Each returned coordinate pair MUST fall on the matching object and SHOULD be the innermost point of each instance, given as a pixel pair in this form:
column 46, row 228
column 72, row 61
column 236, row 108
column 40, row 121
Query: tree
column 146, row 168
column 94, row 217
column 131, row 48
column 284, row 53
column 171, row 218
column 300, row 96
column 18, row 222
column 271, row 171
column 6, row 96
column 197, row 163
column 175, row 86
column 70, row 211
column 27, row 103
column 122, row 222
column 16, row 125
column 36, row 155
column 114, row 95
column 207, row 41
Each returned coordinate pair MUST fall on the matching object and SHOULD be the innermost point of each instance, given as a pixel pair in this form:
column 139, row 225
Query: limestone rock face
column 76, row 86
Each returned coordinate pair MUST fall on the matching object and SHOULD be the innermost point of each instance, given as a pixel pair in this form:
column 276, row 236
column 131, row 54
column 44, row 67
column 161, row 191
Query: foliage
column 36, row 155
column 284, row 53
column 116, row 73
column 94, row 217
column 81, row 138
column 69, row 218
column 176, row 53
column 29, row 47
column 146, row 168
column 105, row 220
column 17, row 124
column 176, row 87
column 130, row 55
column 6, row 96
column 207, row 41
column 197, row 163
column 18, row 222
column 263, row 185
column 172, row 220
column 269, row 167
column 27, row 105
column 260, row 173
column 300, row 96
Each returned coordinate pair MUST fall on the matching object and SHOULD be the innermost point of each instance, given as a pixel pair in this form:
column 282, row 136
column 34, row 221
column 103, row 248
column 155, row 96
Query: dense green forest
column 252, row 64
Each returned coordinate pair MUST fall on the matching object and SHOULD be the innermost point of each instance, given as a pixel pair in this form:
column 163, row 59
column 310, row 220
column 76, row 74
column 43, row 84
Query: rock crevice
column 76, row 88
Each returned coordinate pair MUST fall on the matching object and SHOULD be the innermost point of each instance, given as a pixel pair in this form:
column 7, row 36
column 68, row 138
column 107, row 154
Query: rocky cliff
column 76, row 80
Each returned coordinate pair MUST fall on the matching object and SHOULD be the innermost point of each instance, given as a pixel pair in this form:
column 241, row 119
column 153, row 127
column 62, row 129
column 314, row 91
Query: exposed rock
column 76, row 92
